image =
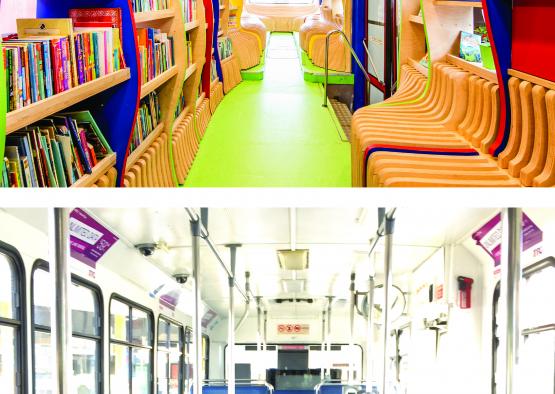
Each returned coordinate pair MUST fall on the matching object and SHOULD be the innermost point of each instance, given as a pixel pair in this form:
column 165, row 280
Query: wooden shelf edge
column 191, row 25
column 181, row 116
column 190, row 70
column 477, row 4
column 149, row 16
column 532, row 78
column 214, row 83
column 474, row 68
column 419, row 67
column 100, row 169
column 416, row 19
column 161, row 79
column 25, row 116
column 220, row 33
column 200, row 99
column 141, row 149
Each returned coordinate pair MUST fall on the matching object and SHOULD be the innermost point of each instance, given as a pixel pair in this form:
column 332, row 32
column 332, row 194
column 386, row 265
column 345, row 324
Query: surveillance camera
column 147, row 249
column 181, row 278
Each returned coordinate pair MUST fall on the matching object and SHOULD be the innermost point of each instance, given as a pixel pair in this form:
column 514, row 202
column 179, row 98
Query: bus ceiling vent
column 293, row 260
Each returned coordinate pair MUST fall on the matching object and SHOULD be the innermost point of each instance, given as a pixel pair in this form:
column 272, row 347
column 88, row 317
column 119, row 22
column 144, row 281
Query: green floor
column 274, row 132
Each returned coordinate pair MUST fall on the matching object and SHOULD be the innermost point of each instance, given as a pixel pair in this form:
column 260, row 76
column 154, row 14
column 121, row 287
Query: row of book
column 190, row 10
column 224, row 47
column 54, row 152
column 150, row 5
column 213, row 70
column 155, row 52
column 148, row 118
column 50, row 56
column 181, row 103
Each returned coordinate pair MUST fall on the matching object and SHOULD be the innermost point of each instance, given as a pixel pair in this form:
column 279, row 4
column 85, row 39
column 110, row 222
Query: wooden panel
column 98, row 171
column 490, row 75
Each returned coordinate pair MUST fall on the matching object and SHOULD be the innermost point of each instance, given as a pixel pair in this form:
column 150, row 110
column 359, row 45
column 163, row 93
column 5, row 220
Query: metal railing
column 357, row 60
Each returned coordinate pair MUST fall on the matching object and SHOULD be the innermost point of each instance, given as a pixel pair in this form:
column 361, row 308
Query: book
column 148, row 118
column 155, row 53
column 470, row 47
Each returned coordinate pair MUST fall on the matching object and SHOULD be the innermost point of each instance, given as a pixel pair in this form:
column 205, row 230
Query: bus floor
column 273, row 132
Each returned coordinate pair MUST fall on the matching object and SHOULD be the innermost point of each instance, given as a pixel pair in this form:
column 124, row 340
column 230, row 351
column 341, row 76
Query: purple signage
column 89, row 240
column 489, row 236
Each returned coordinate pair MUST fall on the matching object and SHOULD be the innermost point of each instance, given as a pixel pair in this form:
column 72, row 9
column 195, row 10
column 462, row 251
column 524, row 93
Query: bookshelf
column 99, row 170
column 160, row 80
column 413, row 42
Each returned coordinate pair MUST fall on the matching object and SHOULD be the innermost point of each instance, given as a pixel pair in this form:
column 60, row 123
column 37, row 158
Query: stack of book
column 148, row 117
column 50, row 56
column 181, row 104
column 190, row 10
column 150, row 5
column 55, row 152
column 155, row 52
column 224, row 47
column 213, row 70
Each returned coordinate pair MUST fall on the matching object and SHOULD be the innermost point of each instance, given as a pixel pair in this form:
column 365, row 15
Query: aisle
column 273, row 132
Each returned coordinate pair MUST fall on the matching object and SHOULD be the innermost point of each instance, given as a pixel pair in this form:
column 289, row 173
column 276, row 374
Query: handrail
column 326, row 68
column 252, row 382
column 538, row 266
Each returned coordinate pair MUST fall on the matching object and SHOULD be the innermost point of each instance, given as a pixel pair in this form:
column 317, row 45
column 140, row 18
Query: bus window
column 86, row 343
column 86, row 334
column 130, row 348
column 170, row 357
column 10, row 326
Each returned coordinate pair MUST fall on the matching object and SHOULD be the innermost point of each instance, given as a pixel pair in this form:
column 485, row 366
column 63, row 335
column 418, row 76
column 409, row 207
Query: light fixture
column 293, row 259
column 293, row 286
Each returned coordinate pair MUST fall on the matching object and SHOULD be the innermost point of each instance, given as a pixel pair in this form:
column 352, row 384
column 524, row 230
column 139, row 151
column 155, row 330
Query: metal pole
column 197, row 318
column 265, row 330
column 389, row 227
column 326, row 70
column 511, row 246
column 328, row 358
column 231, row 321
column 369, row 334
column 59, row 248
column 323, row 369
column 352, row 327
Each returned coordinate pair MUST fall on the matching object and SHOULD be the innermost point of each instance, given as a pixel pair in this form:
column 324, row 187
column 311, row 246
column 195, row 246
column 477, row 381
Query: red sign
column 290, row 329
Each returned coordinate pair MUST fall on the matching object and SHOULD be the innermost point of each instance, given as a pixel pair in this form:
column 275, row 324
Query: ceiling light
column 293, row 259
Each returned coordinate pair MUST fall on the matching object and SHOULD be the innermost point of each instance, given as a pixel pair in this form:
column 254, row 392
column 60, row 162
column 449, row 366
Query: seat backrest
column 239, row 389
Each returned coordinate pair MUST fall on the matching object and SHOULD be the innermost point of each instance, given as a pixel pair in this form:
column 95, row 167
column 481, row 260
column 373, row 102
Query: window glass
column 162, row 335
column 43, row 363
column 175, row 338
column 84, row 310
column 140, row 328
column 119, row 319
column 119, row 369
column 174, row 363
column 140, row 371
column 162, row 373
column 42, row 297
column 7, row 288
column 8, row 338
column 85, row 364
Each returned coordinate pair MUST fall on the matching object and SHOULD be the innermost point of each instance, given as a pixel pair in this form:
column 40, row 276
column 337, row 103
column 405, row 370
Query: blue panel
column 358, row 35
column 239, row 389
column 216, row 9
column 499, row 13
column 115, row 109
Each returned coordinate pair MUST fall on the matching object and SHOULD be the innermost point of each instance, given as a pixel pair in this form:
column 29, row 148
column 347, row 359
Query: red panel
column 534, row 37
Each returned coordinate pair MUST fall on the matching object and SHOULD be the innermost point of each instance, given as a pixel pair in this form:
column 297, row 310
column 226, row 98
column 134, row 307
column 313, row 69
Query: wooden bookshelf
column 25, row 116
column 141, row 149
column 191, row 25
column 419, row 67
column 199, row 99
column 477, row 4
column 181, row 116
column 161, row 79
column 100, row 169
column 142, row 18
column 475, row 68
column 532, row 78
column 416, row 19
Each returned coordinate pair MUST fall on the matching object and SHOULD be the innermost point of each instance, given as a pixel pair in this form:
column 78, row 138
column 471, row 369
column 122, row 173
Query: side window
column 131, row 348
column 86, row 340
column 11, row 326
column 206, row 356
column 170, row 357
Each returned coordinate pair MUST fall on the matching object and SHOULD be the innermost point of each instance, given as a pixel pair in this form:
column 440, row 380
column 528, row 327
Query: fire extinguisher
column 465, row 291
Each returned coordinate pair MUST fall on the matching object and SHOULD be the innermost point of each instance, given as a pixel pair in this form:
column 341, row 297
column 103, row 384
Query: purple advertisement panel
column 89, row 240
column 489, row 236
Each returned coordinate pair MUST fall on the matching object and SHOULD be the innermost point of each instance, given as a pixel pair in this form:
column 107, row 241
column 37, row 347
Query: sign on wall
column 293, row 329
column 89, row 240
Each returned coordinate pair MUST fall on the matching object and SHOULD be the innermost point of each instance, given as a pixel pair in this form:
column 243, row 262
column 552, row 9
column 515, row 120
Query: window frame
column 97, row 291
column 181, row 377
column 132, row 304
column 19, row 324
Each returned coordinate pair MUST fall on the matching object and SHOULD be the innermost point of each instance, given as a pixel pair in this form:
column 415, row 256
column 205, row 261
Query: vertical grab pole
column 369, row 334
column 328, row 358
column 323, row 348
column 352, row 328
column 259, row 336
column 511, row 271
column 265, row 330
column 231, row 321
column 326, row 71
column 59, row 248
column 197, row 318
column 389, row 227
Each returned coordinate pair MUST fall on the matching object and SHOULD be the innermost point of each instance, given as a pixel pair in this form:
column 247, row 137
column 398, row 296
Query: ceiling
column 337, row 239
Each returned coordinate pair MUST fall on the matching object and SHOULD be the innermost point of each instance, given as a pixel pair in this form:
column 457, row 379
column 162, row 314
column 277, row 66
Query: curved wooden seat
column 316, row 24
column 253, row 24
column 216, row 94
column 231, row 73
column 527, row 160
column 282, row 17
column 185, row 143
column 246, row 48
